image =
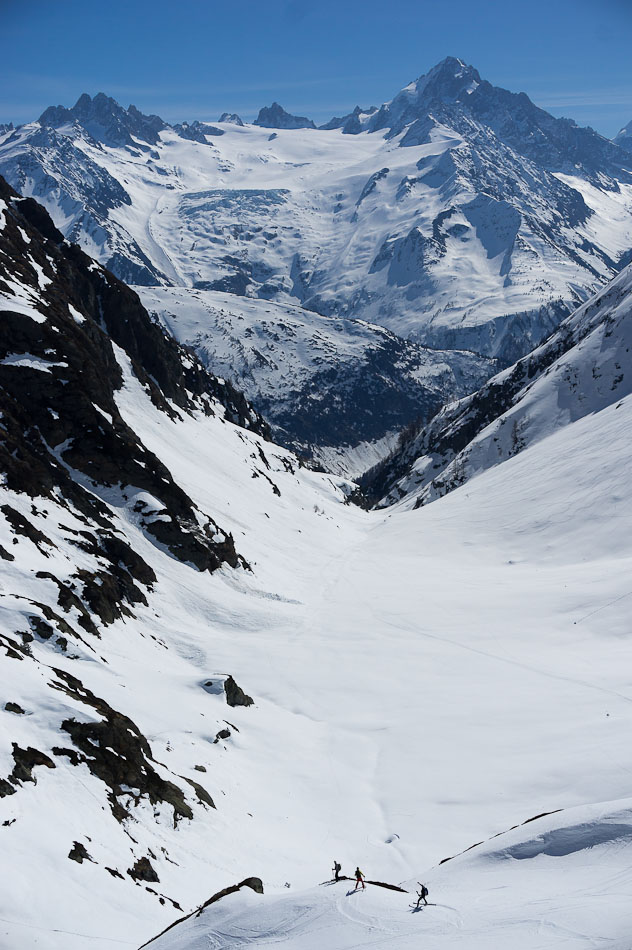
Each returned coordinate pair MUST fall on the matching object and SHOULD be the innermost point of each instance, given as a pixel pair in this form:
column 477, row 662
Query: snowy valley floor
column 422, row 681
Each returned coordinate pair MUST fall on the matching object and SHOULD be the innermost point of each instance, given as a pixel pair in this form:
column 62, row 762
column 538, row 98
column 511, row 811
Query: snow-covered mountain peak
column 105, row 121
column 463, row 217
column 232, row 118
column 448, row 80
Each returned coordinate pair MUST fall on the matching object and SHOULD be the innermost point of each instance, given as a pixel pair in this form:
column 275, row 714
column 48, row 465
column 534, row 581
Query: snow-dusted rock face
column 63, row 318
column 232, row 118
column 198, row 131
column 624, row 137
column 582, row 368
column 454, row 94
column 80, row 194
column 353, row 122
column 106, row 121
column 275, row 117
column 320, row 381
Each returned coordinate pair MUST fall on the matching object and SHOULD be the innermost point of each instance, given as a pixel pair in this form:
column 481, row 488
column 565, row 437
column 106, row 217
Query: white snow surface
column 422, row 679
column 563, row 880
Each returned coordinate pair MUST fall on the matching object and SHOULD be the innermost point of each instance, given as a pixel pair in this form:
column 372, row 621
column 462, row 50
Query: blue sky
column 188, row 59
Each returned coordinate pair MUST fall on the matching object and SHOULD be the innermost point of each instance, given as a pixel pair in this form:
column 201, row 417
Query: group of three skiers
column 359, row 879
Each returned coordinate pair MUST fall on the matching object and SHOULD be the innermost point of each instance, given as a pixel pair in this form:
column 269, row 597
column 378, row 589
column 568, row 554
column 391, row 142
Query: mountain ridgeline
column 458, row 216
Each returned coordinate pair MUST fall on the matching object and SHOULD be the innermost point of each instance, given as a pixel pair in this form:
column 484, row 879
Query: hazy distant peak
column 275, row 117
column 231, row 117
column 624, row 137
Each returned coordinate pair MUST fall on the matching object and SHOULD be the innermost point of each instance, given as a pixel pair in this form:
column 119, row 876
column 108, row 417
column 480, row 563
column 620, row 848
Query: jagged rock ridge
column 275, row 117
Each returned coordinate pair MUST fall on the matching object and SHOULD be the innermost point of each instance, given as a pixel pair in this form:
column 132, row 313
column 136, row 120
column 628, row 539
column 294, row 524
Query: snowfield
column 560, row 881
column 422, row 681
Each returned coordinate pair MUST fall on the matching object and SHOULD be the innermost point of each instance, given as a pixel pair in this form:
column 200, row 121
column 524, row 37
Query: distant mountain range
column 456, row 216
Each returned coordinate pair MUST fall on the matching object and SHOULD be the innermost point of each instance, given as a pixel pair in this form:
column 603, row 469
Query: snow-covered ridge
column 582, row 368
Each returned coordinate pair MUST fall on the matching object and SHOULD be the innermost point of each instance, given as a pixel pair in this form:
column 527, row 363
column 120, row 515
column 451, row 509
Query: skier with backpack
column 422, row 894
column 359, row 876
column 337, row 868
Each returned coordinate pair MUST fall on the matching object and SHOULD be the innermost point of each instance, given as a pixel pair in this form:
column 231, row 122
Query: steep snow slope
column 582, row 368
column 421, row 680
column 454, row 671
column 324, row 383
column 447, row 673
column 561, row 880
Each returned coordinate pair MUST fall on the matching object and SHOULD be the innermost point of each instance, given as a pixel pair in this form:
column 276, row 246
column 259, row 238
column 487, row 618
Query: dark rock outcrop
column 275, row 117
column 143, row 871
column 235, row 695
column 25, row 761
column 114, row 749
column 197, row 131
column 78, row 853
column 60, row 415
column 254, row 883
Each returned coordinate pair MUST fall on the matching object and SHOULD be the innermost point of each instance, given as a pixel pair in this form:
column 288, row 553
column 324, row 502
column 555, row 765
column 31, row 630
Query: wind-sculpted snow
column 582, row 368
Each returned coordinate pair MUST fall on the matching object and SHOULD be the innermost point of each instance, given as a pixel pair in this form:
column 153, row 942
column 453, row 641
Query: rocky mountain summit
column 275, row 117
column 106, row 121
column 232, row 118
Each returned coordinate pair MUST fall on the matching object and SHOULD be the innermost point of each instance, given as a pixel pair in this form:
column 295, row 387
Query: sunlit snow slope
column 422, row 680
column 467, row 664
column 562, row 880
